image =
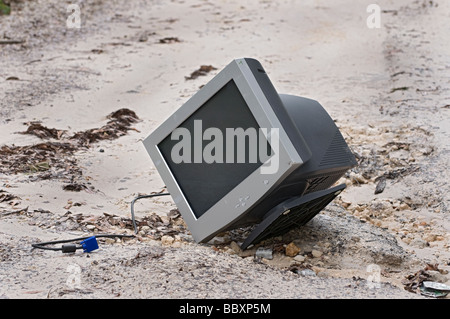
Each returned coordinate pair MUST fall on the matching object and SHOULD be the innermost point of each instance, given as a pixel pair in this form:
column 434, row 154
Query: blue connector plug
column 89, row 244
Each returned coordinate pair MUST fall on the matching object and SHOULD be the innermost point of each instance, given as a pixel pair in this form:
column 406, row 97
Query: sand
column 387, row 89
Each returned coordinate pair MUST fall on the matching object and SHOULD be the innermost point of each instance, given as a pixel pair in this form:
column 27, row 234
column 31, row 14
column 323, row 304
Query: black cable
column 44, row 244
column 72, row 248
column 140, row 197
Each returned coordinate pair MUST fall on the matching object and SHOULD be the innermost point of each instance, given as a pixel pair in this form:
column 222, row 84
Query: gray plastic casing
column 248, row 192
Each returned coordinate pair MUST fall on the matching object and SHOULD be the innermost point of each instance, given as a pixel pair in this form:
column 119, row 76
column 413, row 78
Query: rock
column 167, row 240
column 404, row 206
column 235, row 247
column 307, row 273
column 436, row 276
column 357, row 178
column 109, row 241
column 419, row 243
column 145, row 229
column 177, row 244
column 292, row 250
column 316, row 253
column 220, row 240
column 299, row 258
column 429, row 237
column 264, row 253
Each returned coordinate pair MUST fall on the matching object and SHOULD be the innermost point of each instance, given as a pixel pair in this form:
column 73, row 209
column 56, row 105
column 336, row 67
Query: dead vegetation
column 54, row 159
column 202, row 71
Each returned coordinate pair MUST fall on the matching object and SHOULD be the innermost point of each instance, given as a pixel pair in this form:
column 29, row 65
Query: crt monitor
column 237, row 153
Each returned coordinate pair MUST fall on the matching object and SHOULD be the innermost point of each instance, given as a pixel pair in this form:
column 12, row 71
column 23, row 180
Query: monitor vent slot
column 337, row 153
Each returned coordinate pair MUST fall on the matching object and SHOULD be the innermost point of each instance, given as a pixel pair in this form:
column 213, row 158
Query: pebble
column 167, row 240
column 404, row 206
column 419, row 243
column 110, row 241
column 235, row 247
column 357, row 178
column 292, row 250
column 264, row 253
column 145, row 229
column 307, row 273
column 432, row 237
column 436, row 276
column 316, row 253
column 177, row 244
column 299, row 258
column 220, row 240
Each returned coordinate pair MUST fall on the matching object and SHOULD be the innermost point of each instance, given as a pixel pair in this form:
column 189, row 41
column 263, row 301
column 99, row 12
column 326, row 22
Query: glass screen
column 213, row 151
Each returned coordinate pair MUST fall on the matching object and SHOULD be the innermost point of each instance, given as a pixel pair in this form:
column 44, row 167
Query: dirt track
column 387, row 89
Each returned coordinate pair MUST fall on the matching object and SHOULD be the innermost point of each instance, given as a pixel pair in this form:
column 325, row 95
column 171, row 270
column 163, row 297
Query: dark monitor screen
column 207, row 165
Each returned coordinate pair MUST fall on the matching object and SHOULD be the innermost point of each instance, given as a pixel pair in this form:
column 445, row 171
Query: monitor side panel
column 331, row 157
column 274, row 99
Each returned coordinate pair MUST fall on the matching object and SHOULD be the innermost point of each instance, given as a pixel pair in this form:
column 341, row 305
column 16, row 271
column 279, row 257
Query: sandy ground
column 387, row 89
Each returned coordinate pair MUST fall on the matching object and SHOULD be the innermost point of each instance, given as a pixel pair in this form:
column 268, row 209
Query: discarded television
column 237, row 153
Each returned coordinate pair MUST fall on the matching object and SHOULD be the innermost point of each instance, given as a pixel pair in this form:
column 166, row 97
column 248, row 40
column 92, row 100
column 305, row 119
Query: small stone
column 235, row 247
column 145, row 229
column 292, row 250
column 177, row 244
column 419, row 243
column 307, row 273
column 143, row 37
column 264, row 253
column 90, row 227
column 429, row 237
column 220, row 240
column 316, row 253
column 357, row 178
column 437, row 276
column 404, row 206
column 167, row 240
column 109, row 241
column 406, row 240
column 230, row 251
column 299, row 258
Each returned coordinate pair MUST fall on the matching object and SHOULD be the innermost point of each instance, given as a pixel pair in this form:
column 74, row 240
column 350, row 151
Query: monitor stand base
column 291, row 213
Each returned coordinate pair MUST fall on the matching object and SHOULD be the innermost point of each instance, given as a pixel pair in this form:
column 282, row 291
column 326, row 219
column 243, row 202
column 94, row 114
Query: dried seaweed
column 55, row 159
column 118, row 125
column 202, row 71
column 169, row 40
column 43, row 132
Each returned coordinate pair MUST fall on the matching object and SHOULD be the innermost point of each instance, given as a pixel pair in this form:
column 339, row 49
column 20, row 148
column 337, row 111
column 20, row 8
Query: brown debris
column 29, row 159
column 169, row 40
column 74, row 187
column 43, row 132
column 5, row 197
column 118, row 125
column 413, row 282
column 56, row 160
column 202, row 71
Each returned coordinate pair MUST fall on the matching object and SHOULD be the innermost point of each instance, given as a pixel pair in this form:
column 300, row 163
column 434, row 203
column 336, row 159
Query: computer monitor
column 237, row 153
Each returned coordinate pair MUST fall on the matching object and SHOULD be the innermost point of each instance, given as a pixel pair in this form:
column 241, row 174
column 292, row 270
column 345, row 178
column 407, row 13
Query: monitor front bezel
column 247, row 193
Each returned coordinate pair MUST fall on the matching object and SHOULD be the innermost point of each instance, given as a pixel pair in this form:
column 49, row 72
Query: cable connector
column 89, row 244
column 69, row 248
